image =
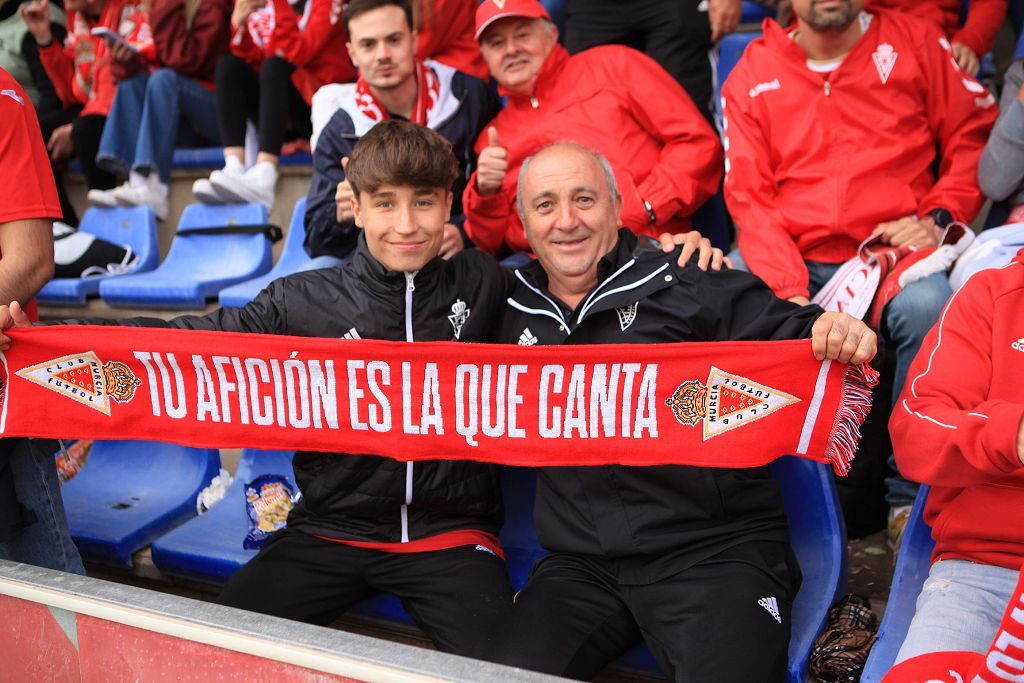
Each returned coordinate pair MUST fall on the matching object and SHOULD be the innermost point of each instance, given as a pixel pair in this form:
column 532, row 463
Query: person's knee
column 275, row 73
column 915, row 310
column 229, row 67
column 165, row 81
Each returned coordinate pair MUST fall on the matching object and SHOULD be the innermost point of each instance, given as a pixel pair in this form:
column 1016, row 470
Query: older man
column 685, row 558
column 666, row 157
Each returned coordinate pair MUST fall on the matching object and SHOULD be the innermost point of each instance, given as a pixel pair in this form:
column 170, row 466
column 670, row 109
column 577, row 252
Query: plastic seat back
column 198, row 266
column 131, row 492
column 293, row 256
column 134, row 226
column 912, row 567
column 209, row 547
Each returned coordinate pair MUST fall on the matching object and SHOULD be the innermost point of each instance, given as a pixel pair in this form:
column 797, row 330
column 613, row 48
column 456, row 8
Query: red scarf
column 427, row 89
column 1004, row 660
column 723, row 404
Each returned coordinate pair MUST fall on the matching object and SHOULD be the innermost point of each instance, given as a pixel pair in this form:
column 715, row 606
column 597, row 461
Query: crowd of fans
column 847, row 122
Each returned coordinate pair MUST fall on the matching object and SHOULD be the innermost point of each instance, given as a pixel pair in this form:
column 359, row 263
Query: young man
column 427, row 531
column 392, row 84
column 693, row 560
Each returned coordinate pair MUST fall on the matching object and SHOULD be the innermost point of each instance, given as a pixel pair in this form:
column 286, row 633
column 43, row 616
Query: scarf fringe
column 858, row 383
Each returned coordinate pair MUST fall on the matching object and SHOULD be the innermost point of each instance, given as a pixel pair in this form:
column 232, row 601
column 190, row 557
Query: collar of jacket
column 547, row 79
column 373, row 273
column 635, row 265
column 777, row 39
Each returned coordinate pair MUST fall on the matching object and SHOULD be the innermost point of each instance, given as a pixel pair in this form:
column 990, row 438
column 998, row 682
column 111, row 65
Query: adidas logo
column 1016, row 346
column 351, row 334
column 527, row 338
column 772, row 605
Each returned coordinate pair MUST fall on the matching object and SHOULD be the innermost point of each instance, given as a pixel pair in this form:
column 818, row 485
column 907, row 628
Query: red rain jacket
column 984, row 18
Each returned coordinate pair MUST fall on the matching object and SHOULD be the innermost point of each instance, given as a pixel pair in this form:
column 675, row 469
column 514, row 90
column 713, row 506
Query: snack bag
column 268, row 500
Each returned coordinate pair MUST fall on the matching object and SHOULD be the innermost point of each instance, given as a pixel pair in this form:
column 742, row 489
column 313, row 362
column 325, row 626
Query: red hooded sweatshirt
column 81, row 68
column 314, row 42
column 814, row 162
column 984, row 18
column 621, row 103
column 956, row 424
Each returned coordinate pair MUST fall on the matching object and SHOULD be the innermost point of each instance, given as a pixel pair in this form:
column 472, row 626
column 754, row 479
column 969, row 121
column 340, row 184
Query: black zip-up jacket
column 465, row 105
column 651, row 522
column 364, row 497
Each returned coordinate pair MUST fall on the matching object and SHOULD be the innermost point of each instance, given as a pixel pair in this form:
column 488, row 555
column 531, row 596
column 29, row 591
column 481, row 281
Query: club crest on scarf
column 83, row 377
column 459, row 316
column 724, row 402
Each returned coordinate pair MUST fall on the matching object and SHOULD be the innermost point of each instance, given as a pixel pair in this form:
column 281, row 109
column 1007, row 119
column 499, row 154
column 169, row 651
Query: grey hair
column 609, row 174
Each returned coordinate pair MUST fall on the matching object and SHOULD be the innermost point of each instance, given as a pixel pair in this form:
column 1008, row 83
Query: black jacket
column 363, row 497
column 651, row 522
column 464, row 106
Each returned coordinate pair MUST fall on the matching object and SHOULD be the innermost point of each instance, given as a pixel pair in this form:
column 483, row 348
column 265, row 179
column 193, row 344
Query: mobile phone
column 112, row 38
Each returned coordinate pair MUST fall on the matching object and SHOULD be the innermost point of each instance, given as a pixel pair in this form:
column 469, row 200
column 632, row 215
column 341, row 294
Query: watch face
column 942, row 217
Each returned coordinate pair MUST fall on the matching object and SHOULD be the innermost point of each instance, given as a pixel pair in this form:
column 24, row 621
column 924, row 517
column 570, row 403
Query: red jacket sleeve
column 961, row 113
column 60, row 67
column 690, row 163
column 751, row 195
column 323, row 29
column 488, row 218
column 984, row 19
column 945, row 430
column 191, row 51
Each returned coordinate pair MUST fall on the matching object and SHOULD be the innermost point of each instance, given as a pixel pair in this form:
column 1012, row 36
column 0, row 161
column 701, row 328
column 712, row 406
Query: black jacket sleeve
column 266, row 314
column 49, row 101
column 324, row 234
column 737, row 305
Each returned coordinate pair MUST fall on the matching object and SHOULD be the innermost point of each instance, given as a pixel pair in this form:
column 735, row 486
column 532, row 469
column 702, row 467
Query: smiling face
column 382, row 46
column 571, row 219
column 404, row 225
column 515, row 49
column 827, row 15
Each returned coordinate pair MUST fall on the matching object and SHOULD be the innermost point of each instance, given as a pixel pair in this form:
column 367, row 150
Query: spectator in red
column 279, row 57
column 845, row 126
column 666, row 157
column 958, row 427
column 970, row 41
column 446, row 35
column 85, row 69
column 175, row 105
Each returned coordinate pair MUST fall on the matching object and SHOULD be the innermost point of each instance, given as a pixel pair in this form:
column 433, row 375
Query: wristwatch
column 942, row 217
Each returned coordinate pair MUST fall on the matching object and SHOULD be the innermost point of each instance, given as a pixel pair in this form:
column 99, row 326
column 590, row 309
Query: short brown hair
column 356, row 7
column 401, row 153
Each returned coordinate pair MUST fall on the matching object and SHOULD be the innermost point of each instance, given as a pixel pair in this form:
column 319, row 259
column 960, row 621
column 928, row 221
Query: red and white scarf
column 427, row 90
column 723, row 404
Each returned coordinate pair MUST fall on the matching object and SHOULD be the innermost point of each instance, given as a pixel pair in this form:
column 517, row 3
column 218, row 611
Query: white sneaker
column 151, row 192
column 255, row 186
column 104, row 198
column 206, row 193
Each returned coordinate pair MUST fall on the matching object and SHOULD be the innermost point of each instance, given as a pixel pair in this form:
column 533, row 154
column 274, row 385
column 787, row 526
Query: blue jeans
column 959, row 608
column 47, row 542
column 144, row 123
column 906, row 320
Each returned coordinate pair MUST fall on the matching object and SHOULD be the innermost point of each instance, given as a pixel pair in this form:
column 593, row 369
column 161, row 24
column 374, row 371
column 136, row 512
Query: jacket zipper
column 410, row 287
column 534, row 102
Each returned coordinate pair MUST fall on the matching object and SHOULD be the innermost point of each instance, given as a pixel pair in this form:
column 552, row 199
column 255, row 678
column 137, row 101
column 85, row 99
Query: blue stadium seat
column 729, row 51
column 131, row 492
column 134, row 226
column 200, row 158
column 197, row 266
column 755, row 13
column 292, row 257
column 209, row 547
column 912, row 568
column 556, row 9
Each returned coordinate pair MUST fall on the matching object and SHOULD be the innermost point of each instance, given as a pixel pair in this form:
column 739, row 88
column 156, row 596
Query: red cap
column 489, row 11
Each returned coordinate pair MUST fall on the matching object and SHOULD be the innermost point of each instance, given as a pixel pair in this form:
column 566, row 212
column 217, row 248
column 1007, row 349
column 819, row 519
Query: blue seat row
column 121, row 502
column 197, row 268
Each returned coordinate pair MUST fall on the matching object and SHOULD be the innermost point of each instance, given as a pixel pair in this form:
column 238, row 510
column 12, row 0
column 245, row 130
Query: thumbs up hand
column 343, row 197
column 492, row 165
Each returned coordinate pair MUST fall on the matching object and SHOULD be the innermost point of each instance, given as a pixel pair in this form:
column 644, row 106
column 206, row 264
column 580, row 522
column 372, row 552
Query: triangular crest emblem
column 459, row 316
column 627, row 314
column 885, row 59
column 725, row 402
column 84, row 378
